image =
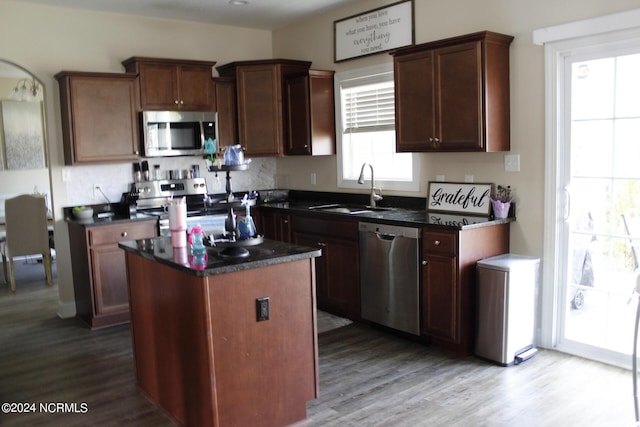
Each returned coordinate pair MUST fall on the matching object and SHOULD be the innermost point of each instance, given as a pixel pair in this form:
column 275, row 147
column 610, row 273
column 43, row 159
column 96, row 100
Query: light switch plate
column 512, row 163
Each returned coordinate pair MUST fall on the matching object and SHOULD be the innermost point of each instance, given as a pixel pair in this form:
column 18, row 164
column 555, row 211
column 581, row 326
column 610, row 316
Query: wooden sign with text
column 461, row 197
column 376, row 31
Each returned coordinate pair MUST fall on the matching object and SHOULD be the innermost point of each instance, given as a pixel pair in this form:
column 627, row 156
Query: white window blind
column 369, row 108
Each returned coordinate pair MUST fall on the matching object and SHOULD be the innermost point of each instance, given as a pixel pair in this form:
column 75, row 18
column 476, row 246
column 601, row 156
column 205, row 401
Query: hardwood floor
column 367, row 377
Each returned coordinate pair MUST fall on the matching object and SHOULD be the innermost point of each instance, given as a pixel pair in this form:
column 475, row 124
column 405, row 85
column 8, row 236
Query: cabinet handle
column 181, row 102
column 286, row 221
column 437, row 140
column 430, row 139
column 175, row 101
column 124, row 234
column 424, row 262
column 436, row 242
column 322, row 244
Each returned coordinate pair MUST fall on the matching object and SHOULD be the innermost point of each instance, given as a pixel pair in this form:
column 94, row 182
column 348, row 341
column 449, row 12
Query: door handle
column 385, row 236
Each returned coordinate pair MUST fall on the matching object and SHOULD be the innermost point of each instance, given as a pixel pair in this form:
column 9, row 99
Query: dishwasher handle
column 386, row 236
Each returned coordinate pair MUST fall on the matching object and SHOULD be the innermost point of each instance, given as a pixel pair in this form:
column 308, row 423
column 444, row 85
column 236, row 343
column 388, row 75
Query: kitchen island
column 224, row 342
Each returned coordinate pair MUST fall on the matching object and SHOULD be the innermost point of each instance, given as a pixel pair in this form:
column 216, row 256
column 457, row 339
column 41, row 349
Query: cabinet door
column 275, row 225
column 159, row 86
column 459, row 102
column 414, row 101
column 337, row 276
column 260, row 110
column 440, row 297
column 91, row 105
column 109, row 279
column 195, row 88
column 225, row 90
column 298, row 115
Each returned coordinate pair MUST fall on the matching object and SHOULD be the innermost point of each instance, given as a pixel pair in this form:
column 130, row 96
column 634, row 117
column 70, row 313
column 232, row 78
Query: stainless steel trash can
column 506, row 308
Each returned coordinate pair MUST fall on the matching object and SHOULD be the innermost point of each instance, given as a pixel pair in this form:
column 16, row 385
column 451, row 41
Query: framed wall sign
column 376, row 31
column 461, row 197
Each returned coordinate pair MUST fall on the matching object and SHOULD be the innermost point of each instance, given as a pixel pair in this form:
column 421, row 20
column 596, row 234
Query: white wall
column 312, row 40
column 46, row 40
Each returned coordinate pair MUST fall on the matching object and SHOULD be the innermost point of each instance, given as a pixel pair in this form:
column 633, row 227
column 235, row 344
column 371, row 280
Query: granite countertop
column 269, row 252
column 117, row 218
column 396, row 216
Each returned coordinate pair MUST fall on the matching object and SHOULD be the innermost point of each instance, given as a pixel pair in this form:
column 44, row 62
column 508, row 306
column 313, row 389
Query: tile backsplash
column 117, row 178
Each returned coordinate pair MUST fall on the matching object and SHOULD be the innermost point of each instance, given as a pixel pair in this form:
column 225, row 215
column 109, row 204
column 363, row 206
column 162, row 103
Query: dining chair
column 26, row 234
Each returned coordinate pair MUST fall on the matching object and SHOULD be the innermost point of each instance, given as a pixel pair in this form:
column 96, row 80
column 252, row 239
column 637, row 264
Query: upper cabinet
column 225, row 93
column 171, row 84
column 453, row 94
column 310, row 109
column 260, row 102
column 99, row 117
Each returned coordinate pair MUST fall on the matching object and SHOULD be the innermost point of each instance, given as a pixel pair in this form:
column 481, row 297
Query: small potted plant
column 501, row 202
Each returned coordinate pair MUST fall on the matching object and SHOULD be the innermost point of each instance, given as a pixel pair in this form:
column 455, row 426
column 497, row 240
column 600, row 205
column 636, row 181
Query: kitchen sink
column 350, row 209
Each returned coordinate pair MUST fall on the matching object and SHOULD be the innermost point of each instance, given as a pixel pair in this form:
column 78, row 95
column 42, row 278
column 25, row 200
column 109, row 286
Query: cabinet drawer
column 440, row 242
column 119, row 232
column 345, row 230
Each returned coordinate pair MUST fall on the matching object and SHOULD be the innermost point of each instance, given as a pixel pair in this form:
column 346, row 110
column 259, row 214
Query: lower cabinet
column 449, row 282
column 99, row 270
column 273, row 225
column 337, row 270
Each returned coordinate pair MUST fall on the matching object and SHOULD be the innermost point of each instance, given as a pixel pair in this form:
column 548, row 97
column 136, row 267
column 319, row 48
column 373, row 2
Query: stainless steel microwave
column 177, row 133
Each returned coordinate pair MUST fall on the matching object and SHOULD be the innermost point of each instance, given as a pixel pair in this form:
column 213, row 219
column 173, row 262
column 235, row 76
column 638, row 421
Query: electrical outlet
column 313, row 178
column 262, row 309
column 66, row 176
column 96, row 190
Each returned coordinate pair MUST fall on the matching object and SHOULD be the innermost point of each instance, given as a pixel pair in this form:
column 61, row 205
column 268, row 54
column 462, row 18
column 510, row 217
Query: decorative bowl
column 83, row 212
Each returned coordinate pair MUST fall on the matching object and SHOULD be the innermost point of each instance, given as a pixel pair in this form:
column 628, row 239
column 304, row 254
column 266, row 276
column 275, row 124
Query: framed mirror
column 22, row 136
column 23, row 145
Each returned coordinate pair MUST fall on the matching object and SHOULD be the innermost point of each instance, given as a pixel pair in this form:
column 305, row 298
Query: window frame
column 367, row 75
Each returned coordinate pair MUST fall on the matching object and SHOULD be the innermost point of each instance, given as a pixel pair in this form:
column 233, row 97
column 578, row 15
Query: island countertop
column 269, row 252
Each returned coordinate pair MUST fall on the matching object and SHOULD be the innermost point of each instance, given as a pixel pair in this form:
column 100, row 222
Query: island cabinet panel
column 337, row 270
column 173, row 84
column 453, row 94
column 449, row 282
column 99, row 273
column 203, row 356
column 90, row 105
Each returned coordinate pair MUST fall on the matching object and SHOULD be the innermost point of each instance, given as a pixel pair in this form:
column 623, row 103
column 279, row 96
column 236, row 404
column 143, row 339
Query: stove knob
column 147, row 190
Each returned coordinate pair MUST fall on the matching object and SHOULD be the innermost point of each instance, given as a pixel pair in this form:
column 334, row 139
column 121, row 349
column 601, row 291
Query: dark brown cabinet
column 260, row 102
column 91, row 103
column 225, row 94
column 171, row 84
column 337, row 270
column 273, row 225
column 99, row 273
column 310, row 114
column 453, row 94
column 449, row 281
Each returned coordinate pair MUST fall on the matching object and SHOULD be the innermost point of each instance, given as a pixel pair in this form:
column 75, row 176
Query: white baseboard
column 66, row 310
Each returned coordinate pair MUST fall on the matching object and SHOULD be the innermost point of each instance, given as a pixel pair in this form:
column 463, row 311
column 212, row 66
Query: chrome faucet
column 375, row 196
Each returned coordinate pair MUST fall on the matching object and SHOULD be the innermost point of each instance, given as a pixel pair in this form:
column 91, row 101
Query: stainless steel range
column 150, row 197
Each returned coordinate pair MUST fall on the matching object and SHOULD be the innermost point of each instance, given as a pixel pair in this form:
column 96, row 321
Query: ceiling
column 258, row 14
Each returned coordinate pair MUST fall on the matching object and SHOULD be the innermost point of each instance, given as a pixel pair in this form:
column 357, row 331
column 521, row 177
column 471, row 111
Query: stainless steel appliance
column 151, row 199
column 177, row 133
column 507, row 287
column 389, row 275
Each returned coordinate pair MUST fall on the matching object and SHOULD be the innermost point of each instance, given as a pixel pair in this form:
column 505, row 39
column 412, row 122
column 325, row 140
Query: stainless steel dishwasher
column 389, row 275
